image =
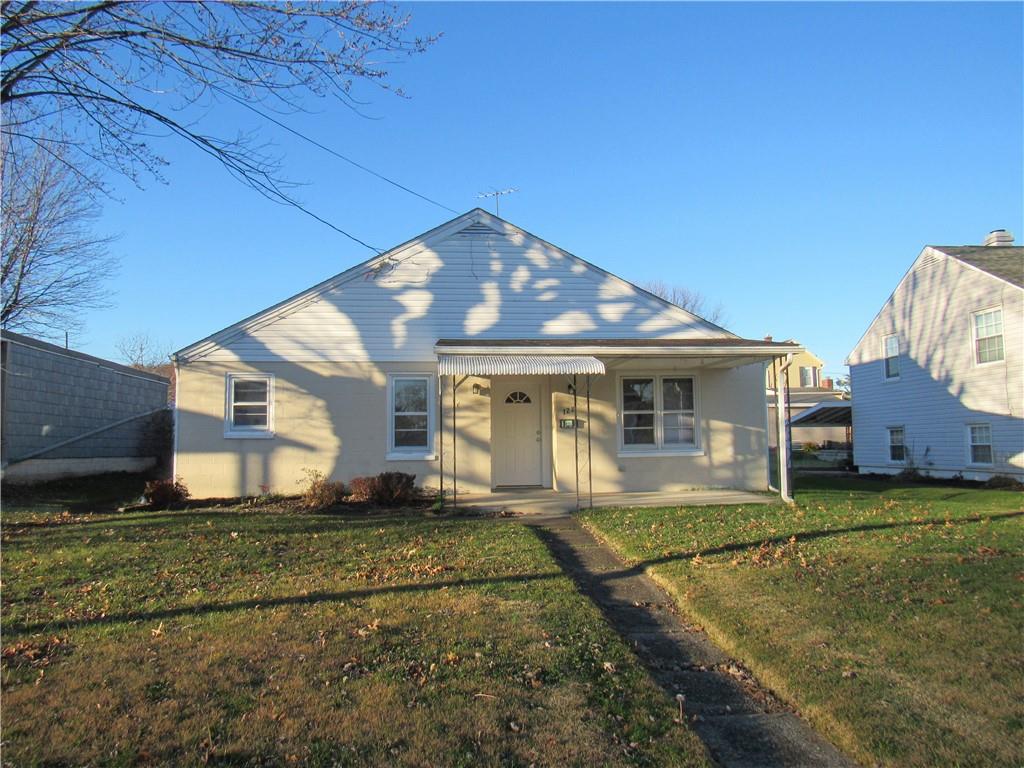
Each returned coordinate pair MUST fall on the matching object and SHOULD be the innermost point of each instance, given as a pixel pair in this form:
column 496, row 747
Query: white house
column 477, row 357
column 938, row 377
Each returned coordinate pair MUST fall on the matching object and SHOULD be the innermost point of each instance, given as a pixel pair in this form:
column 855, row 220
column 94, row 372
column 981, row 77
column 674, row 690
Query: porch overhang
column 517, row 364
column 728, row 352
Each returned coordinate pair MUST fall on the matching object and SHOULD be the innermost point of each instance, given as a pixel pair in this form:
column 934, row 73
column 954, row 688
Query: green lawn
column 223, row 637
column 893, row 617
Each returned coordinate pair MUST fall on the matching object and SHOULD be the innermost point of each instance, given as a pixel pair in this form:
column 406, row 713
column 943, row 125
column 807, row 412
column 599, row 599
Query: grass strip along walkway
column 741, row 724
column 890, row 616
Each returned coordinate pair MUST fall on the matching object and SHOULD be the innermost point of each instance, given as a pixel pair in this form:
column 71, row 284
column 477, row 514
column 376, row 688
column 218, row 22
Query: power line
column 337, row 154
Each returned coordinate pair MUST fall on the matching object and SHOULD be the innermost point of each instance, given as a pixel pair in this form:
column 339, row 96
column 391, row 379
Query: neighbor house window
column 250, row 411
column 988, row 336
column 410, row 416
column 980, row 440
column 658, row 413
column 808, row 376
column 897, row 446
column 891, row 347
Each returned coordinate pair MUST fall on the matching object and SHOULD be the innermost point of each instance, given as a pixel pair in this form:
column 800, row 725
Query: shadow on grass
column 341, row 596
column 311, row 598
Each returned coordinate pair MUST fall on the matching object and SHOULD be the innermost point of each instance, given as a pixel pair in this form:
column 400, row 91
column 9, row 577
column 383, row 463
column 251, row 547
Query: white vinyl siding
column 480, row 283
column 657, row 413
column 891, row 354
column 411, row 402
column 249, row 408
column 979, row 442
column 942, row 387
column 988, row 336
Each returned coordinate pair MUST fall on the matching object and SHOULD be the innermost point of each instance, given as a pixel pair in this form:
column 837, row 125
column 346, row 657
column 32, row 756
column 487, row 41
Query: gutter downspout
column 783, row 434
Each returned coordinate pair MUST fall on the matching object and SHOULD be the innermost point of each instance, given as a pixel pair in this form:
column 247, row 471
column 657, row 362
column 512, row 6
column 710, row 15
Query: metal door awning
column 517, row 365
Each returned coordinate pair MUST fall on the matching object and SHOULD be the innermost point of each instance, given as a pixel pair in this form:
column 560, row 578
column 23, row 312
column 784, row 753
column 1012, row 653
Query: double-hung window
column 891, row 350
column 250, row 406
column 988, row 336
column 897, row 445
column 410, row 416
column 658, row 413
column 808, row 376
column 979, row 438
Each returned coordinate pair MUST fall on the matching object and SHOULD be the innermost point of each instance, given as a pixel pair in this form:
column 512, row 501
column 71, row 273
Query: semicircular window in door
column 517, row 397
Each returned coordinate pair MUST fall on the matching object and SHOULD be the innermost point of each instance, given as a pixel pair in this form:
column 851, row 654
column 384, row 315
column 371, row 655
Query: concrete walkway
column 742, row 724
column 544, row 501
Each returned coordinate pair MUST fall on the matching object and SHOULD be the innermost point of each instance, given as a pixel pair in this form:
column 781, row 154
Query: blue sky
column 787, row 160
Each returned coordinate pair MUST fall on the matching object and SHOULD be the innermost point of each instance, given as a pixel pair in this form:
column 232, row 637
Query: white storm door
column 516, row 431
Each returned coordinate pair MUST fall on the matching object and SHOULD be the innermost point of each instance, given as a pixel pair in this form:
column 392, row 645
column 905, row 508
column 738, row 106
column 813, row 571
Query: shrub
column 320, row 492
column 164, row 493
column 1004, row 482
column 388, row 489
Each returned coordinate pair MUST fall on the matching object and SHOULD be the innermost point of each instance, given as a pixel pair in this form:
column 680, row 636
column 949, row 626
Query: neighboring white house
column 479, row 355
column 938, row 377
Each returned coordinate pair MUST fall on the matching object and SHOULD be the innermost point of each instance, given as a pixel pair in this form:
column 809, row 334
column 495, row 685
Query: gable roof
column 969, row 257
column 1004, row 262
column 455, row 234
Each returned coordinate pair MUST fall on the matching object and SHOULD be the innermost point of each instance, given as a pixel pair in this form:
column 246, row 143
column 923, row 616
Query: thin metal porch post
column 455, row 450
column 576, row 440
column 590, row 455
column 440, row 431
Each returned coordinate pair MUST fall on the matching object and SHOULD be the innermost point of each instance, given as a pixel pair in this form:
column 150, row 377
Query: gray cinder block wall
column 66, row 413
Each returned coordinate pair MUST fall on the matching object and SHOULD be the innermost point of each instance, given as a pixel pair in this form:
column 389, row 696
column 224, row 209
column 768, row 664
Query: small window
column 677, row 416
column 250, row 405
column 897, row 447
column 988, row 336
column 892, row 356
column 410, row 413
column 980, row 440
column 638, row 412
column 515, row 398
column 808, row 376
column 658, row 413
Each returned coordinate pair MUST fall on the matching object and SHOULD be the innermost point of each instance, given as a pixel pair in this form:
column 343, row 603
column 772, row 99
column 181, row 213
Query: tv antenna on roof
column 496, row 194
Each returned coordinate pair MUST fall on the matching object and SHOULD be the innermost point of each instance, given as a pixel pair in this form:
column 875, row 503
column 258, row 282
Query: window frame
column 233, row 431
column 975, row 339
column 659, row 448
column 897, row 357
column 889, row 444
column 970, row 445
column 814, row 377
column 412, row 453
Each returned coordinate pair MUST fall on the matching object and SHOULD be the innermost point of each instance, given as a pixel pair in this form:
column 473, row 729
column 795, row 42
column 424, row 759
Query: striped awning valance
column 517, row 365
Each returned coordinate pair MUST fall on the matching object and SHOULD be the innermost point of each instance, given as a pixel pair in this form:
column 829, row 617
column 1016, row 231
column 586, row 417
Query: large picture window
column 658, row 413
column 988, row 336
column 250, row 406
column 410, row 416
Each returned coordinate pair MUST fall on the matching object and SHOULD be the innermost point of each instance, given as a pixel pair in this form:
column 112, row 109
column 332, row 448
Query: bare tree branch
column 139, row 350
column 52, row 267
column 689, row 299
column 105, row 78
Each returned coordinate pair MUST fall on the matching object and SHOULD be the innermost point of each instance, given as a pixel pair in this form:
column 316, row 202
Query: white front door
column 516, row 438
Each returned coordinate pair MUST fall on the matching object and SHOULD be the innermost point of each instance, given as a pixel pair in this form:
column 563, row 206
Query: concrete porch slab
column 544, row 501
